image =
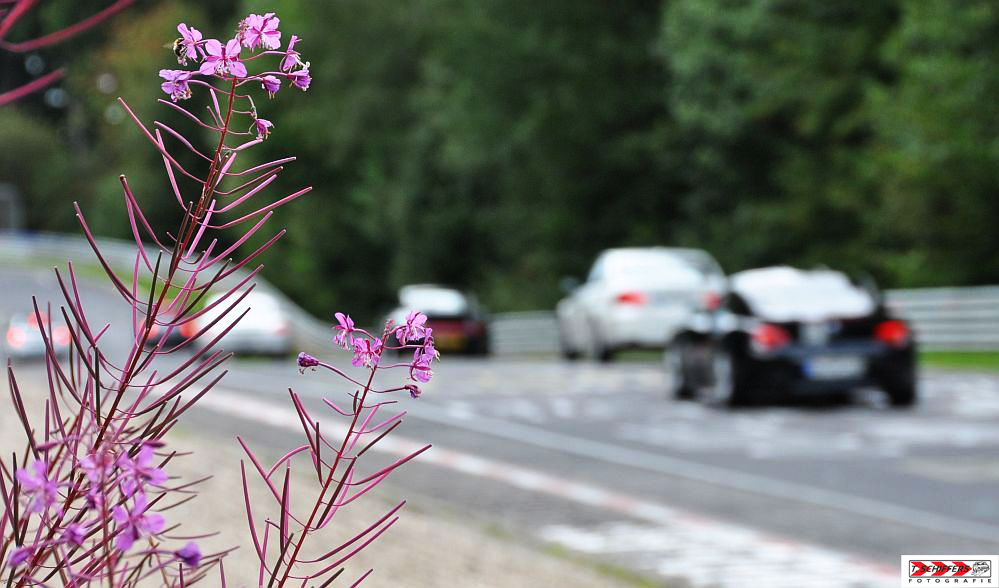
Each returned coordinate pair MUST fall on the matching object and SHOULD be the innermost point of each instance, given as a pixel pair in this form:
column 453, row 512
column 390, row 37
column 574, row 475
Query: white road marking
column 666, row 520
column 721, row 555
column 715, row 475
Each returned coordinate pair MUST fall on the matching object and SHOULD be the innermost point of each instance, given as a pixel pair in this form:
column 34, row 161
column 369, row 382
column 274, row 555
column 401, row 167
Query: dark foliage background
column 498, row 145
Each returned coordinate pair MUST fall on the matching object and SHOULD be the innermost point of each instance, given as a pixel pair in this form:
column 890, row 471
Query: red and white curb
column 670, row 542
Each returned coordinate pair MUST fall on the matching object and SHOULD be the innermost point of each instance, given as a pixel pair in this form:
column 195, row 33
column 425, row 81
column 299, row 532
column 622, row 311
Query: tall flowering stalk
column 89, row 498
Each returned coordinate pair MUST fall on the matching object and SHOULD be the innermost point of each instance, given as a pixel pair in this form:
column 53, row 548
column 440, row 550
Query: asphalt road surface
column 597, row 460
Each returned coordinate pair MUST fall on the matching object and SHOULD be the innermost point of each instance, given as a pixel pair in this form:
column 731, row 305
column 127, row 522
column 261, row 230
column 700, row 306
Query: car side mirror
column 568, row 284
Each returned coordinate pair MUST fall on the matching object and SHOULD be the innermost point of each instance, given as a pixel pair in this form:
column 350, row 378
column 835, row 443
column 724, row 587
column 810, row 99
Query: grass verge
column 978, row 360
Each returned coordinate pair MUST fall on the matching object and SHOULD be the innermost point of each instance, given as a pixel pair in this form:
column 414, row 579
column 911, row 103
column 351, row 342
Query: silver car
column 636, row 298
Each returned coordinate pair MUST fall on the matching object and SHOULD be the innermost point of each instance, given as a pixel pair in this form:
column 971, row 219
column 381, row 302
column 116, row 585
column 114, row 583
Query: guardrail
column 943, row 318
column 311, row 334
column 950, row 318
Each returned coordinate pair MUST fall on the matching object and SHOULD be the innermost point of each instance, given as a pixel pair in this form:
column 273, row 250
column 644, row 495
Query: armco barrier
column 943, row 318
column 310, row 333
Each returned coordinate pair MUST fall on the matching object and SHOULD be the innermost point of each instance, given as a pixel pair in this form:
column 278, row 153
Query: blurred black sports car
column 782, row 331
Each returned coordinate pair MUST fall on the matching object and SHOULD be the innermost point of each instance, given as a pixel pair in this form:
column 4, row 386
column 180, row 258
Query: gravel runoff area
column 428, row 547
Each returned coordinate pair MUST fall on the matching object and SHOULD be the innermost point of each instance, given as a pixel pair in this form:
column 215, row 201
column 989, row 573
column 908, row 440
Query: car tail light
column 767, row 337
column 60, row 335
column 34, row 319
column 188, row 329
column 894, row 333
column 712, row 301
column 16, row 337
column 632, row 298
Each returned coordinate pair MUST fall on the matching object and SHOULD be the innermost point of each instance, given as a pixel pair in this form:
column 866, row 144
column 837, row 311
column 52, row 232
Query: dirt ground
column 428, row 547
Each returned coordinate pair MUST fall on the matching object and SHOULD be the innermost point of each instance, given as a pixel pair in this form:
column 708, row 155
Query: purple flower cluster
column 226, row 61
column 368, row 349
column 103, row 472
column 90, row 508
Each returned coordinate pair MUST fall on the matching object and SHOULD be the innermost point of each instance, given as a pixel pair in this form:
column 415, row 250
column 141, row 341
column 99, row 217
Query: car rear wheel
column 727, row 386
column 901, row 395
column 677, row 365
column 565, row 349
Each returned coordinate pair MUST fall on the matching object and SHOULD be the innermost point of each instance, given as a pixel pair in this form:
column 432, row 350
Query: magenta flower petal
column 19, row 556
column 291, row 57
column 189, row 39
column 190, row 554
column 237, row 69
column 270, row 84
column 213, row 48
column 263, row 127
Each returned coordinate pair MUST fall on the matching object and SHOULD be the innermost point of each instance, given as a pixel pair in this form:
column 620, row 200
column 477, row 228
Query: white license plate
column 835, row 367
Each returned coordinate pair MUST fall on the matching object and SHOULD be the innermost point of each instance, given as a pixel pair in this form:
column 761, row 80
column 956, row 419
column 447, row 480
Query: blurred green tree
column 769, row 99
column 938, row 131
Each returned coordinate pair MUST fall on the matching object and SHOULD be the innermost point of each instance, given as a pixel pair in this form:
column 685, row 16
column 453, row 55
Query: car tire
column 901, row 395
column 676, row 364
column 567, row 352
column 728, row 386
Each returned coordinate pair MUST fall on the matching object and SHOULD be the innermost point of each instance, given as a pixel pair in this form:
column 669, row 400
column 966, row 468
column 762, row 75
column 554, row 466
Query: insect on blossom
column 186, row 47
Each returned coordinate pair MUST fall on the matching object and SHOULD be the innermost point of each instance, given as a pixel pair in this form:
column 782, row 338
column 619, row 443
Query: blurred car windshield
column 433, row 300
column 262, row 307
column 789, row 294
column 657, row 265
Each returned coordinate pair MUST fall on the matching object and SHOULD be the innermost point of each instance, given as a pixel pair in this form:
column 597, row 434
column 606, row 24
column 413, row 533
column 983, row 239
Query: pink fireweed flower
column 40, row 490
column 427, row 349
column 263, row 127
column 132, row 524
column 187, row 45
column 140, row 472
column 367, row 352
column 190, row 554
column 222, row 60
column 301, row 78
column 256, row 30
column 97, row 465
column 414, row 329
column 176, row 83
column 292, row 58
column 271, row 85
column 420, row 370
column 19, row 556
column 414, row 390
column 74, row 534
column 345, row 337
